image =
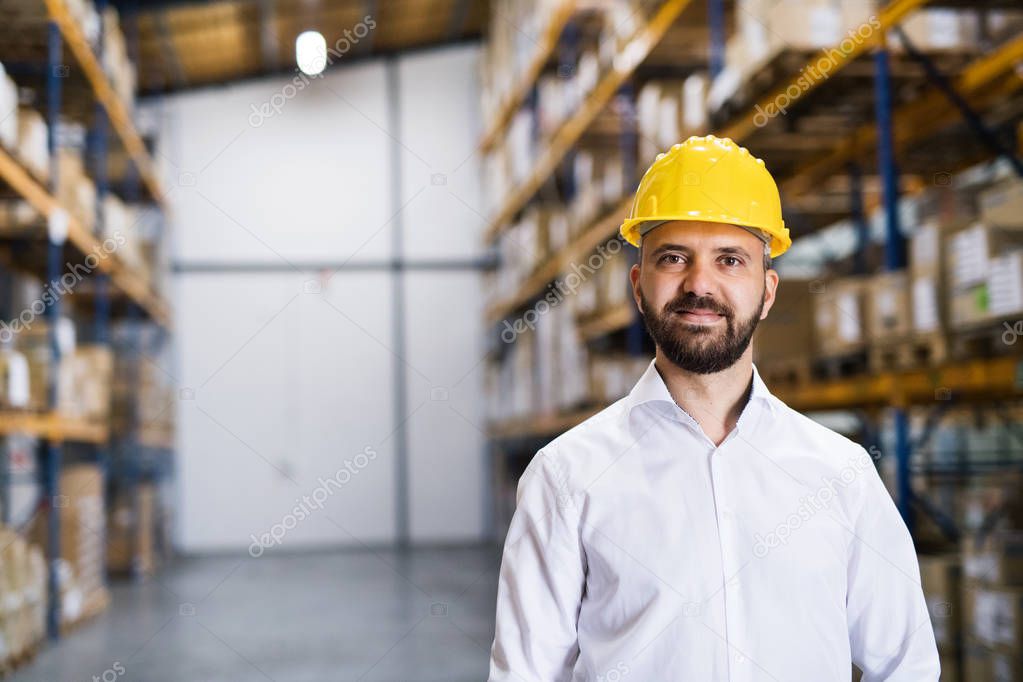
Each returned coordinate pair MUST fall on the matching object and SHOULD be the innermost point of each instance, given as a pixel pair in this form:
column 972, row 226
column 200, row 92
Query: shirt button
column 727, row 514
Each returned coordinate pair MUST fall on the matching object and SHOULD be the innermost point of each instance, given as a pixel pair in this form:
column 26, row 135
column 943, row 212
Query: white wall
column 292, row 370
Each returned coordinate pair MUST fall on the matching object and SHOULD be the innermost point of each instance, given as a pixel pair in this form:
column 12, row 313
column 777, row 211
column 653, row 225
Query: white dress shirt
column 640, row 551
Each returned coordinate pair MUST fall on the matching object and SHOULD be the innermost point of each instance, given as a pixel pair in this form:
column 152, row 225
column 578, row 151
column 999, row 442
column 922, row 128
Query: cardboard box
column 788, row 334
column 994, row 616
column 1000, row 295
column 76, row 191
column 33, row 143
column 995, row 558
column 8, row 102
column 976, row 663
column 131, row 531
column 90, row 370
column 812, row 24
column 940, row 578
column 947, row 202
column 888, row 306
column 839, row 315
column 969, row 306
column 969, row 252
column 1005, row 285
column 940, row 30
column 927, row 309
column 82, row 528
column 1002, row 204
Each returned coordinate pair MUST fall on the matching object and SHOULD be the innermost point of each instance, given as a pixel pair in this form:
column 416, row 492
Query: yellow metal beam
column 837, row 58
column 53, row 427
column 128, row 281
column 116, row 110
column 980, row 379
column 915, row 120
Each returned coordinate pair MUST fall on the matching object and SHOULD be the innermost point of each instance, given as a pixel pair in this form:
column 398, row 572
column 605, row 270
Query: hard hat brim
column 780, row 243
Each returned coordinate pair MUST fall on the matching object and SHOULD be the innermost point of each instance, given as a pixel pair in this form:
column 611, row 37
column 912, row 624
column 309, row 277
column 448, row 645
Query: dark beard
column 684, row 344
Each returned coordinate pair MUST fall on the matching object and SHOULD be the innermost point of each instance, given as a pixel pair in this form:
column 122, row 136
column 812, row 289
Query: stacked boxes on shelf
column 118, row 67
column 765, row 29
column 75, row 191
column 984, row 267
column 8, row 102
column 669, row 111
column 839, row 312
column 602, row 284
column 32, row 150
column 887, row 307
column 143, row 393
column 599, row 181
column 544, row 364
column 132, row 531
column 786, row 339
column 940, row 578
column 993, row 605
column 23, row 592
column 85, row 15
column 613, row 375
column 603, row 27
column 82, row 541
column 511, row 45
column 83, row 375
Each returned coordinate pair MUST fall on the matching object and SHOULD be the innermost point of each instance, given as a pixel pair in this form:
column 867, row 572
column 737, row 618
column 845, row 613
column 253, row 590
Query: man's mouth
column 700, row 315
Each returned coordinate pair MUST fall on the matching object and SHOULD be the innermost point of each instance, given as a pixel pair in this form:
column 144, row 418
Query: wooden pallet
column 786, row 372
column 841, row 365
column 908, row 352
column 990, row 339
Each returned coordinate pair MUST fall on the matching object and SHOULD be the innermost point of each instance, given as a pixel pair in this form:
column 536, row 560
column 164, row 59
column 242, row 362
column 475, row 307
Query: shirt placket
column 733, row 589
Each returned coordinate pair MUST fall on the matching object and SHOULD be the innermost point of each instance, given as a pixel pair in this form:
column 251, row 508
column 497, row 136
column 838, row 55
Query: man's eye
column 665, row 258
column 731, row 261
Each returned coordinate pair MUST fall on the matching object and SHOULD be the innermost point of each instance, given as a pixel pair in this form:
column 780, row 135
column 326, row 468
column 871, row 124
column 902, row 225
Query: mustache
column 691, row 302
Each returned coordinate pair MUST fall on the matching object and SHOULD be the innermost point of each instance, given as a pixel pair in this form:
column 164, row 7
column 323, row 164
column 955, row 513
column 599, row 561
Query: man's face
column 702, row 289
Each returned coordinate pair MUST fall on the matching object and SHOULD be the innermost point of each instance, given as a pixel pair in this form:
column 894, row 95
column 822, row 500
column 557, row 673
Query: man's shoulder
column 802, row 429
column 593, row 439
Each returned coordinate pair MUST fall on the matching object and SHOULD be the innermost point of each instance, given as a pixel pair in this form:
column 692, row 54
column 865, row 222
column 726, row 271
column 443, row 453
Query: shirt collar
column 651, row 387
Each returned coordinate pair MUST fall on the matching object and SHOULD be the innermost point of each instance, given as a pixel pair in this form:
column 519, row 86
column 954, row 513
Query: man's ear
column 634, row 279
column 770, row 291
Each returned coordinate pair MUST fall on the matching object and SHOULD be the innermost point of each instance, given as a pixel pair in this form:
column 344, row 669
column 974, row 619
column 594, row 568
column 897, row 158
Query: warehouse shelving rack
column 520, row 90
column 568, row 133
column 981, row 83
column 59, row 29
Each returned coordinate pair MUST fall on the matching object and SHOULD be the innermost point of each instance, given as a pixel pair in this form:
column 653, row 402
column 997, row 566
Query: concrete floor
column 352, row 615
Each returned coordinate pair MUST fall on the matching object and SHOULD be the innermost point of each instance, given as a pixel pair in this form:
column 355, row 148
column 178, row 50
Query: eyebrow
column 738, row 250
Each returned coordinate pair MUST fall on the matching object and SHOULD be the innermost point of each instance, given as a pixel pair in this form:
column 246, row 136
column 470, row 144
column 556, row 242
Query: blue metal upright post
column 100, row 139
column 716, row 19
column 895, row 244
column 859, row 218
column 51, row 469
column 895, row 256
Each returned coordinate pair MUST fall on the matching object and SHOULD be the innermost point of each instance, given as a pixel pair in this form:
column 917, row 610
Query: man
column 699, row 529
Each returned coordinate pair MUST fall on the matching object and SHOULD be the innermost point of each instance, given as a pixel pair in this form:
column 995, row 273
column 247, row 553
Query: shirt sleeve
column 890, row 631
column 541, row 583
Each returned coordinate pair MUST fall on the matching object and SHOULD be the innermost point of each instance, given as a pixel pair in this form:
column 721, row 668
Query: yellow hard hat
column 710, row 179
